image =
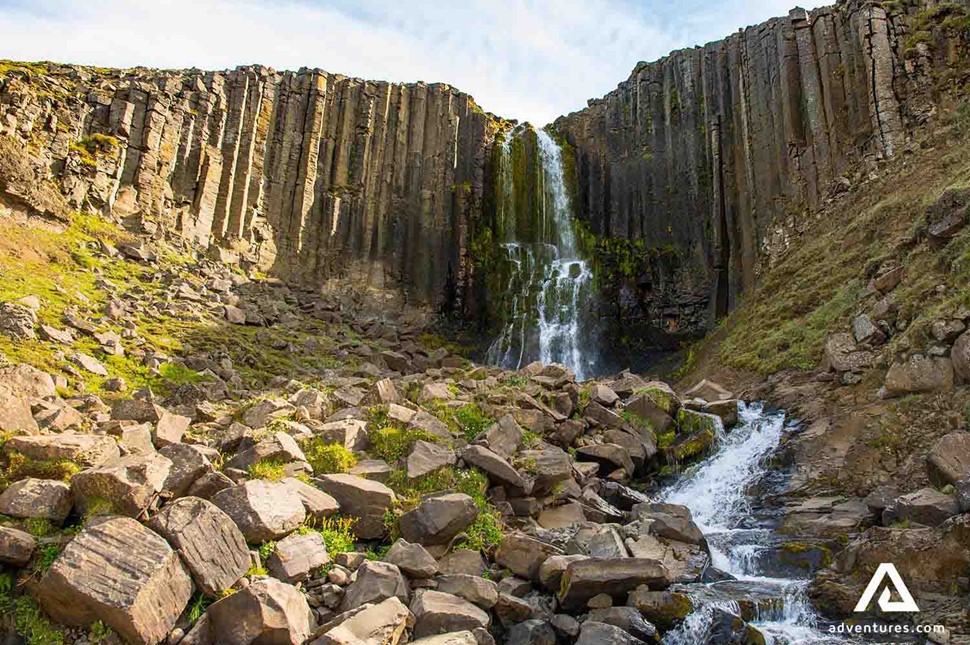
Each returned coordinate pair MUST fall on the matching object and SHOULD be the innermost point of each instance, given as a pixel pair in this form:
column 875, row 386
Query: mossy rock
column 665, row 609
column 662, row 397
column 692, row 422
column 691, row 447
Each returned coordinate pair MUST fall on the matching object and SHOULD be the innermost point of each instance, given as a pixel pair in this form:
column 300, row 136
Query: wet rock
column 584, row 579
column 209, row 543
column 439, row 613
column 726, row 411
column 948, row 460
column 926, row 506
column 375, row 582
column 296, row 556
column 361, row 498
column 427, row 458
column 266, row 611
column 383, row 623
column 523, row 555
column 16, row 546
column 129, row 484
column 41, row 498
column 121, row 573
column 475, row 589
column 665, row 609
column 919, row 374
column 629, row 619
column 413, row 559
column 262, row 510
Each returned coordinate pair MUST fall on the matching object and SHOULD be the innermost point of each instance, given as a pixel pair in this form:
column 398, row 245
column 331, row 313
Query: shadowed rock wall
column 708, row 155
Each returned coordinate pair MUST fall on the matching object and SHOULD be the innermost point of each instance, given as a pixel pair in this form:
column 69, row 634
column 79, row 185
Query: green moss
column 266, row 549
column 393, row 443
column 19, row 466
column 39, row 526
column 328, row 458
column 99, row 632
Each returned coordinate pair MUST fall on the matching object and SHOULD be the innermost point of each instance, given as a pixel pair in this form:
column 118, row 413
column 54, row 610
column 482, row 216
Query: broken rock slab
column 262, row 510
column 121, row 573
column 40, row 498
column 266, row 611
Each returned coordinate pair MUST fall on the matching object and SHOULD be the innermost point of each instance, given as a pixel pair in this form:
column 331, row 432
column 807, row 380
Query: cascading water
column 716, row 493
column 548, row 283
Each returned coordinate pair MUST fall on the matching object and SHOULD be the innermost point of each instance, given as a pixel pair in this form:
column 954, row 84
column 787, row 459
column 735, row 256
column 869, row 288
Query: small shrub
column 45, row 555
column 337, row 534
column 328, row 458
column 266, row 549
column 472, row 421
column 393, row 443
column 39, row 526
column 530, row 438
column 99, row 632
column 515, row 380
column 31, row 623
column 269, row 469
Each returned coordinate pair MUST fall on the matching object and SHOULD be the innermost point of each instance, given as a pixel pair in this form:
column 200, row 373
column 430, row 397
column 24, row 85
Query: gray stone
column 17, row 322
column 188, row 464
column 375, row 582
column 262, row 510
column 277, row 447
column 919, row 374
column 503, row 437
column 121, row 573
column 584, row 579
column 475, row 589
column 949, row 459
column 523, row 555
column 439, row 613
column 83, row 449
column 427, row 458
column 438, row 519
column 43, row 498
column 361, row 498
column 383, row 623
column 413, row 559
column 16, row 547
column 926, row 506
column 208, row 541
column 318, row 504
column 130, row 484
column 297, row 555
column 266, row 611
column 499, row 470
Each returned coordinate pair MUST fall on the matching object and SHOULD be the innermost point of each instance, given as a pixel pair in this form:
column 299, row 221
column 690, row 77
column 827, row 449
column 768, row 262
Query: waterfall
column 548, row 284
column 716, row 491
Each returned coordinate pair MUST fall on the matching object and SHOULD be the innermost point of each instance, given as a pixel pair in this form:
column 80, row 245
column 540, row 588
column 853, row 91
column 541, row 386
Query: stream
column 741, row 537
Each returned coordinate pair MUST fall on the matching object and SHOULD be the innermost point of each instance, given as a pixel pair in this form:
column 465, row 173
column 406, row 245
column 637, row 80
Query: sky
column 529, row 60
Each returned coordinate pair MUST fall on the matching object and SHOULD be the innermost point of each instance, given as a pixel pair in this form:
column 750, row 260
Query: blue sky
column 530, row 60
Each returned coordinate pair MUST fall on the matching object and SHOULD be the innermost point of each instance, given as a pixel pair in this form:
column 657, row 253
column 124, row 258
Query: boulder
column 170, row 428
column 510, row 609
column 584, row 579
column 532, row 632
column 27, row 382
column 949, row 459
column 438, row 519
column 550, row 572
column 726, row 411
column 375, row 582
column 413, row 559
column 523, row 555
column 121, row 573
column 137, row 410
column 439, row 613
column 130, row 484
column 265, row 410
column 665, row 609
column 462, row 561
column 83, row 449
column 503, row 437
column 475, row 589
column 842, row 355
column 629, row 619
column 602, row 416
column 464, row 637
column 709, row 391
column 42, row 498
column 16, row 546
column 297, row 555
column 349, row 433
column 926, row 506
column 960, row 356
column 610, row 456
column 266, row 611
column 188, row 464
column 557, row 517
column 596, row 633
column 262, row 510
column 208, row 541
column 644, row 407
column 361, row 498
column 919, row 374
column 603, row 394
column 278, row 447
column 546, row 468
column 499, row 471
column 17, row 322
column 15, row 415
column 318, row 505
column 865, row 331
column 383, row 623
column 427, row 458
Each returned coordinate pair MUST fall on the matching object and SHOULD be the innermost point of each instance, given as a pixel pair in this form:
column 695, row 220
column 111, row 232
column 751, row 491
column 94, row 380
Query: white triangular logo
column 887, row 569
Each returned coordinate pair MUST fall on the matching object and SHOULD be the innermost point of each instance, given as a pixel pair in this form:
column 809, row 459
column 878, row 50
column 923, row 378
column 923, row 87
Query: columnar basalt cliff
column 708, row 156
column 687, row 176
column 313, row 176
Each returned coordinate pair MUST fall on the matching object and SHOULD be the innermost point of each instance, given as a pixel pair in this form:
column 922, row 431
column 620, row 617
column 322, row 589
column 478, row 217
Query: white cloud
column 532, row 59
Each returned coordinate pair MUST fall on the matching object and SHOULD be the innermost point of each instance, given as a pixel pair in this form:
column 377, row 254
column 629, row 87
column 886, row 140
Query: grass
column 39, row 526
column 816, row 287
column 197, row 607
column 33, row 625
column 336, row 532
column 328, row 458
column 45, row 556
column 468, row 420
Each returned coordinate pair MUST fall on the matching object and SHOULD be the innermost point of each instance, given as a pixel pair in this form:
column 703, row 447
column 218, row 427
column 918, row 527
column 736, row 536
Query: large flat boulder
column 262, row 510
column 83, row 449
column 523, row 555
column 375, row 582
column 361, row 498
column 949, row 459
column 383, row 623
column 584, row 579
column 121, row 573
column 440, row 613
column 208, row 541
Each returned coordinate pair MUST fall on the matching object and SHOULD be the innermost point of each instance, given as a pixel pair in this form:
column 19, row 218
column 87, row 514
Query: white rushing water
column 716, row 493
column 548, row 282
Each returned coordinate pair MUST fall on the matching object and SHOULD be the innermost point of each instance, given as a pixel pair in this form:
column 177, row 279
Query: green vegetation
column 94, row 146
column 393, row 443
column 468, row 420
column 336, row 532
column 197, row 607
column 31, row 623
column 45, row 555
column 99, row 632
column 18, row 466
column 328, row 458
column 39, row 527
column 269, row 469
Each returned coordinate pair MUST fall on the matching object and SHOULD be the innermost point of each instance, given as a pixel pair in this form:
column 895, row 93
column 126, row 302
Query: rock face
column 121, row 573
column 702, row 151
column 315, row 175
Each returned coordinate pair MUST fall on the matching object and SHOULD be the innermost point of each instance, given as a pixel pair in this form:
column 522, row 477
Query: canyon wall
column 707, row 158
column 311, row 176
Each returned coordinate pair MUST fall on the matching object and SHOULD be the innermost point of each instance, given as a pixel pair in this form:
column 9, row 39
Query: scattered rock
column 438, row 519
column 297, row 555
column 361, row 498
column 41, row 498
column 262, row 510
column 266, row 611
